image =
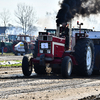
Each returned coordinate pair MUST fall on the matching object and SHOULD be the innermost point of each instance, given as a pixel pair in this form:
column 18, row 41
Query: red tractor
column 51, row 55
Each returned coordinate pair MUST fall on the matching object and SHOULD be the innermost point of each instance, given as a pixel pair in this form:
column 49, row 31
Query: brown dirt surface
column 15, row 86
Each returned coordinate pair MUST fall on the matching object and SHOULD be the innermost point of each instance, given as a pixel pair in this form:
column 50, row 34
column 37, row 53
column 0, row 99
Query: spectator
column 2, row 46
column 26, row 47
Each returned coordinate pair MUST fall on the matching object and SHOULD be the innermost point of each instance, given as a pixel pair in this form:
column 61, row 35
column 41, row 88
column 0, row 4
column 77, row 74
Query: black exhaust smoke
column 74, row 8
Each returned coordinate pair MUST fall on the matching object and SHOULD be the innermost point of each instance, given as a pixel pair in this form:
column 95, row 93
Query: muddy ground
column 15, row 86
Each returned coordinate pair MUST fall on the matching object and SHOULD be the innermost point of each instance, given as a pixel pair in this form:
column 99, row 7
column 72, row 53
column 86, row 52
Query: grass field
column 10, row 54
column 4, row 64
column 11, row 65
column 7, row 54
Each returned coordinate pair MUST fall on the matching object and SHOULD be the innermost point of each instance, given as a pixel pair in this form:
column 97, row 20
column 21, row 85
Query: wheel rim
column 69, row 68
column 5, row 49
column 89, row 58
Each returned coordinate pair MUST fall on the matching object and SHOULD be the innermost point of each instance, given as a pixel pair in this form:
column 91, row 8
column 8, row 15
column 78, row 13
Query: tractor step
column 70, row 51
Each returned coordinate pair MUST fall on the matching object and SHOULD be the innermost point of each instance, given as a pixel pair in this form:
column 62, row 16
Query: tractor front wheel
column 26, row 66
column 66, row 67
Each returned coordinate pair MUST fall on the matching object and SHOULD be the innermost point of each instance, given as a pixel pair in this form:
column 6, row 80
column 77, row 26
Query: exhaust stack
column 57, row 32
column 70, row 34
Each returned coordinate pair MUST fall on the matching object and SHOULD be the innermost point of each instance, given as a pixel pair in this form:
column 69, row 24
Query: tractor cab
column 19, row 45
column 51, row 31
column 12, row 38
column 23, row 38
column 4, row 38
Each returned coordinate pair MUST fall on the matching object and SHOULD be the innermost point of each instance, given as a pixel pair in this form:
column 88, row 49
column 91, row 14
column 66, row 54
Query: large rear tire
column 26, row 66
column 66, row 67
column 84, row 55
column 96, row 72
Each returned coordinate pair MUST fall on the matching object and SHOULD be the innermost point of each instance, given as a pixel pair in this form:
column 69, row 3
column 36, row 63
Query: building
column 2, row 30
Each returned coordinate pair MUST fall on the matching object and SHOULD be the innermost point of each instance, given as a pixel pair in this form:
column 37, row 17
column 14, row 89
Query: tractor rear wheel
column 66, row 67
column 12, row 47
column 84, row 55
column 41, row 69
column 26, row 66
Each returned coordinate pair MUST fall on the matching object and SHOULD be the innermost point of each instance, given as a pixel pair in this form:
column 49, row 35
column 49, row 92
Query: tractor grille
column 45, row 49
column 45, row 38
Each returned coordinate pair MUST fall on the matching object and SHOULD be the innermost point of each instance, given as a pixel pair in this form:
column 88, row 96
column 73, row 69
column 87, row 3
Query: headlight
column 48, row 51
column 41, row 51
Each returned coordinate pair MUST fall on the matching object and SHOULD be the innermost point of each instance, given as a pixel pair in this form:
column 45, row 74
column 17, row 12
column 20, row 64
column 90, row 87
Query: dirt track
column 14, row 86
column 8, row 58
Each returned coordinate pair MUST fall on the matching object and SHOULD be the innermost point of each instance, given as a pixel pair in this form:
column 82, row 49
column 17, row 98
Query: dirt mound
column 93, row 97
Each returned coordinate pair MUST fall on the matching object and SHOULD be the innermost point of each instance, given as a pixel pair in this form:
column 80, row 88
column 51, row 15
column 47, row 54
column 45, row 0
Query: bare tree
column 5, row 17
column 26, row 17
column 52, row 15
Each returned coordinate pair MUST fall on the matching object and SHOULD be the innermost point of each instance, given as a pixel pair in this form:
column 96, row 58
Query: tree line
column 26, row 17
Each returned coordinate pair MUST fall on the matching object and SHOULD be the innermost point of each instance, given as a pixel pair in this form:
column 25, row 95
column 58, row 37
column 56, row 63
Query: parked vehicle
column 19, row 44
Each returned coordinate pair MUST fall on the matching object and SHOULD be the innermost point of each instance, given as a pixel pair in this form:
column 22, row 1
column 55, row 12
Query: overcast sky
column 43, row 6
column 40, row 6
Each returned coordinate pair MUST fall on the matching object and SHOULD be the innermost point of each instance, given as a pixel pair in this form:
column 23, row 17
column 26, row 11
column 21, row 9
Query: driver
column 64, row 30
